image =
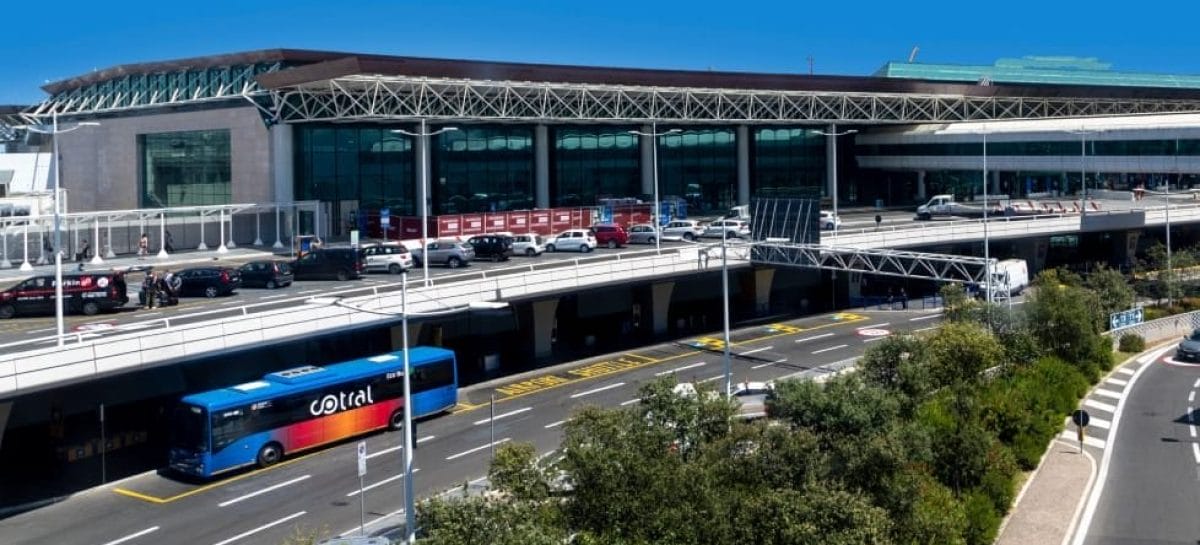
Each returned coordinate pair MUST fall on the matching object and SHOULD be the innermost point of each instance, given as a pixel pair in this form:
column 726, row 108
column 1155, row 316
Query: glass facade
column 185, row 168
column 357, row 168
column 590, row 163
column 481, row 168
column 700, row 166
column 787, row 162
column 1057, row 148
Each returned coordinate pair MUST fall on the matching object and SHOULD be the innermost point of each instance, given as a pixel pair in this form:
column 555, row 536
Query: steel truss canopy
column 297, row 85
column 940, row 267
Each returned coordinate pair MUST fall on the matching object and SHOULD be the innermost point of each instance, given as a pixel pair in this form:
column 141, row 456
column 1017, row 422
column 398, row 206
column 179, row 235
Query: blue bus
column 289, row 411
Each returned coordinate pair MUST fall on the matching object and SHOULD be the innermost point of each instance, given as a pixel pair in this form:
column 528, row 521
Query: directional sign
column 362, row 458
column 1125, row 318
column 385, row 217
column 1081, row 418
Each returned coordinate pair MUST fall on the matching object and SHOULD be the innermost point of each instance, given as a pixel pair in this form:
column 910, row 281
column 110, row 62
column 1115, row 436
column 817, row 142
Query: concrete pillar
column 5, row 410
column 541, row 166
column 283, row 163
column 743, row 165
column 414, row 335
column 660, row 296
column 762, row 290
column 994, row 186
column 424, row 194
column 921, row 185
column 544, row 312
column 830, row 155
column 646, row 144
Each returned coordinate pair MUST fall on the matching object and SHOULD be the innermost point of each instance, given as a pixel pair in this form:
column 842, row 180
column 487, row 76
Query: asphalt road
column 1152, row 491
column 320, row 490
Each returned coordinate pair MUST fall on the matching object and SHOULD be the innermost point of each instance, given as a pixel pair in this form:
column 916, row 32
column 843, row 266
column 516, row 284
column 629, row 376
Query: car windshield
column 188, row 432
column 1195, row 336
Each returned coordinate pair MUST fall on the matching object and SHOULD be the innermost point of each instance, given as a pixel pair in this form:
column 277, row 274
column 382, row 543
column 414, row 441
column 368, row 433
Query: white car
column 391, row 257
column 573, row 240
column 731, row 228
column 688, row 230
column 528, row 245
column 828, row 221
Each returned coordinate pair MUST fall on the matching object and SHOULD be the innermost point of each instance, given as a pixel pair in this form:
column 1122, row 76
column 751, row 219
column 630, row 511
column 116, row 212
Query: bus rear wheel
column 396, row 421
column 270, row 455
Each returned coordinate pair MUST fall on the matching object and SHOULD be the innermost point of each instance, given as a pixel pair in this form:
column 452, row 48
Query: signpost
column 362, row 498
column 385, row 221
column 1125, row 318
column 1081, row 418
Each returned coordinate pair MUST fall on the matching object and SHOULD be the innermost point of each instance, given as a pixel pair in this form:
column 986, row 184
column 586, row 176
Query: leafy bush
column 1132, row 343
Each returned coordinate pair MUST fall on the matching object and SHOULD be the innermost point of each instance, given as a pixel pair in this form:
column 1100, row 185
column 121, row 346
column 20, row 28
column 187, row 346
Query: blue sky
column 852, row 38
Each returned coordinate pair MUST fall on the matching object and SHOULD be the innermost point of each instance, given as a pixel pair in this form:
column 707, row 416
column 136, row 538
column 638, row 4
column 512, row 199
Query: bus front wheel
column 270, row 455
column 396, row 421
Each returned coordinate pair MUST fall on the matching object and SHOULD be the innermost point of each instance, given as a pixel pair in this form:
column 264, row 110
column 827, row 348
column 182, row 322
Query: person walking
column 143, row 246
column 84, row 250
column 903, row 299
column 169, row 243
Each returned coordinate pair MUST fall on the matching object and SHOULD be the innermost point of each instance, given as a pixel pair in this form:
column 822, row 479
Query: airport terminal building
column 360, row 132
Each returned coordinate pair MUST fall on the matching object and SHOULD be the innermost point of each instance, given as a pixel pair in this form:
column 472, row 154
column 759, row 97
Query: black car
column 209, row 281
column 86, row 293
column 1189, row 347
column 493, row 247
column 336, row 263
column 266, row 274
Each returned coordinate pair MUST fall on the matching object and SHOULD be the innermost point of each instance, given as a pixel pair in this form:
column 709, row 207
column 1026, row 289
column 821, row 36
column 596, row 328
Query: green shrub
column 1132, row 343
column 982, row 519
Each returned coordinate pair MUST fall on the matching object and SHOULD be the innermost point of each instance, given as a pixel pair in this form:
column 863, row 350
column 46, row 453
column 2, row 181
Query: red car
column 610, row 235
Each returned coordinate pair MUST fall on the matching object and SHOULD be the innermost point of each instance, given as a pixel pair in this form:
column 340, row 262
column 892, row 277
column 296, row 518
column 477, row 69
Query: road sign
column 1080, row 417
column 1125, row 318
column 362, row 458
column 385, row 217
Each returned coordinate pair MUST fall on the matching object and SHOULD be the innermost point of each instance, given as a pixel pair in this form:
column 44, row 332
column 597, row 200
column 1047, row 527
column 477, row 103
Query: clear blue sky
column 54, row 40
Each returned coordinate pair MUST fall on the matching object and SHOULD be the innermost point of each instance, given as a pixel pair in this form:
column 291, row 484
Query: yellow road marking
column 210, row 486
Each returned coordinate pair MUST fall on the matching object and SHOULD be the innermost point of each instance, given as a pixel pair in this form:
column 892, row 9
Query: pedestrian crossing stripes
column 1088, row 440
column 1099, row 405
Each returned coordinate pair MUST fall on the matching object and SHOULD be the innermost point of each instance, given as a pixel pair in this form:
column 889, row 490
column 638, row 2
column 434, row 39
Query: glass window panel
column 185, row 168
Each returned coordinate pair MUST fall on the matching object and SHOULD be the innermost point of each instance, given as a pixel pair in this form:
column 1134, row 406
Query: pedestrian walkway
column 175, row 260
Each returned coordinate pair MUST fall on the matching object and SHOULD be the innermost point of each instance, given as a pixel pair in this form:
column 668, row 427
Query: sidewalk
column 178, row 259
column 1047, row 507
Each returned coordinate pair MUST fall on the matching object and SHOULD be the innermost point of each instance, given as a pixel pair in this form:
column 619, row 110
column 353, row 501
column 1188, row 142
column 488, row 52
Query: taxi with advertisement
column 84, row 293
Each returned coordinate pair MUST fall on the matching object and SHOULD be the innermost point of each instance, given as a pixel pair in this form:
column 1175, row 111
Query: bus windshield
column 188, row 432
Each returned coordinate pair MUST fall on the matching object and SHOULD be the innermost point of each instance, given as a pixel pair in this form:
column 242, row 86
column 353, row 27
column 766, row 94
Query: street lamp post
column 832, row 132
column 54, row 131
column 726, row 360
column 425, row 135
column 1082, row 132
column 987, row 257
column 654, row 214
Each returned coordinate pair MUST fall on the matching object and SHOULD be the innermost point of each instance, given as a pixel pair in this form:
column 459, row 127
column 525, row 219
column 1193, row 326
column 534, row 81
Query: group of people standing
column 161, row 289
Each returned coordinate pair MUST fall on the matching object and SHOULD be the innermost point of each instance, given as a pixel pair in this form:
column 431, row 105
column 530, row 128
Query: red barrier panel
column 539, row 222
column 560, row 220
column 449, row 226
column 472, row 224
column 495, row 222
column 518, row 222
column 410, row 228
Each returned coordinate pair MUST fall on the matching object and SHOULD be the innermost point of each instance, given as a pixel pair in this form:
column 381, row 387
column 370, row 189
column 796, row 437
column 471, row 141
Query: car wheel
column 689, row 237
column 650, row 240
column 585, row 249
column 551, row 248
column 343, row 275
column 395, row 269
column 828, row 226
column 7, row 311
column 271, row 285
column 269, row 455
column 90, row 308
column 529, row 252
column 612, row 244
column 453, row 262
column 211, row 292
column 396, row 421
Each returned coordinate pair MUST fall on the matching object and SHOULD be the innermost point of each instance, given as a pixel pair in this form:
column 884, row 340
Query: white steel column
column 221, row 219
column 646, row 147
column 162, row 234
column 202, row 245
column 231, row 243
column 25, row 266
column 109, row 253
column 921, row 184
column 541, row 166
column 96, row 260
column 743, row 165
column 5, row 263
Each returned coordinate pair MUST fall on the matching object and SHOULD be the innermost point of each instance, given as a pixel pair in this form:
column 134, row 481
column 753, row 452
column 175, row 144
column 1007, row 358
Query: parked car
column 390, row 257
column 209, row 281
column 610, row 235
column 450, row 252
column 688, row 230
column 1189, row 348
column 642, row 233
column 732, row 229
column 266, row 274
column 493, row 247
column 828, row 221
column 528, row 245
column 337, row 263
column 85, row 293
column 578, row 240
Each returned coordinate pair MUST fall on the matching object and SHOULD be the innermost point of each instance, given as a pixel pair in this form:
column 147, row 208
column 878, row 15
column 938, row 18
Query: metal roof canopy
column 940, row 267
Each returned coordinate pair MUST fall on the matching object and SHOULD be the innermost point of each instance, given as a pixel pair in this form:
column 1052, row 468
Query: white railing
column 924, row 232
column 28, row 367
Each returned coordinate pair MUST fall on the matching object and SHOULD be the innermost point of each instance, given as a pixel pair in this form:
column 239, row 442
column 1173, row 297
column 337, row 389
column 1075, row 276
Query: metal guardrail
column 24, row 370
column 1159, row 329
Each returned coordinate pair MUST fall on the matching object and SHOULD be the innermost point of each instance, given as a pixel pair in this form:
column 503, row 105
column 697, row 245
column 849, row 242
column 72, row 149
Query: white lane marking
column 384, row 451
column 381, row 483
column 814, row 337
column 426, row 438
column 930, row 317
column 1190, row 416
column 263, row 491
column 309, row 291
column 345, row 286
column 276, row 296
column 145, row 314
column 595, row 390
column 710, row 379
column 678, row 369
column 924, row 329
column 1191, row 396
column 234, row 302
column 630, row 402
column 261, row 528
column 1125, row 371
column 756, row 350
column 1107, row 393
column 1192, row 429
column 1098, row 405
column 829, row 349
column 875, row 326
column 503, row 415
column 1196, row 384
column 761, row 365
column 133, row 536
column 476, row 449
column 1116, row 381
column 555, row 424
column 873, row 339
column 1087, row 439
column 1196, row 452
column 1094, row 422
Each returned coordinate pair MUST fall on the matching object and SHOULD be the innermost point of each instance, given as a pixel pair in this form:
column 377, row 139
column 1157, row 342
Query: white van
column 1011, row 276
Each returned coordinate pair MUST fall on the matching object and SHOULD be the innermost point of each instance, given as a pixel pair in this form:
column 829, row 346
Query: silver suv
column 452, row 253
column 688, row 230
